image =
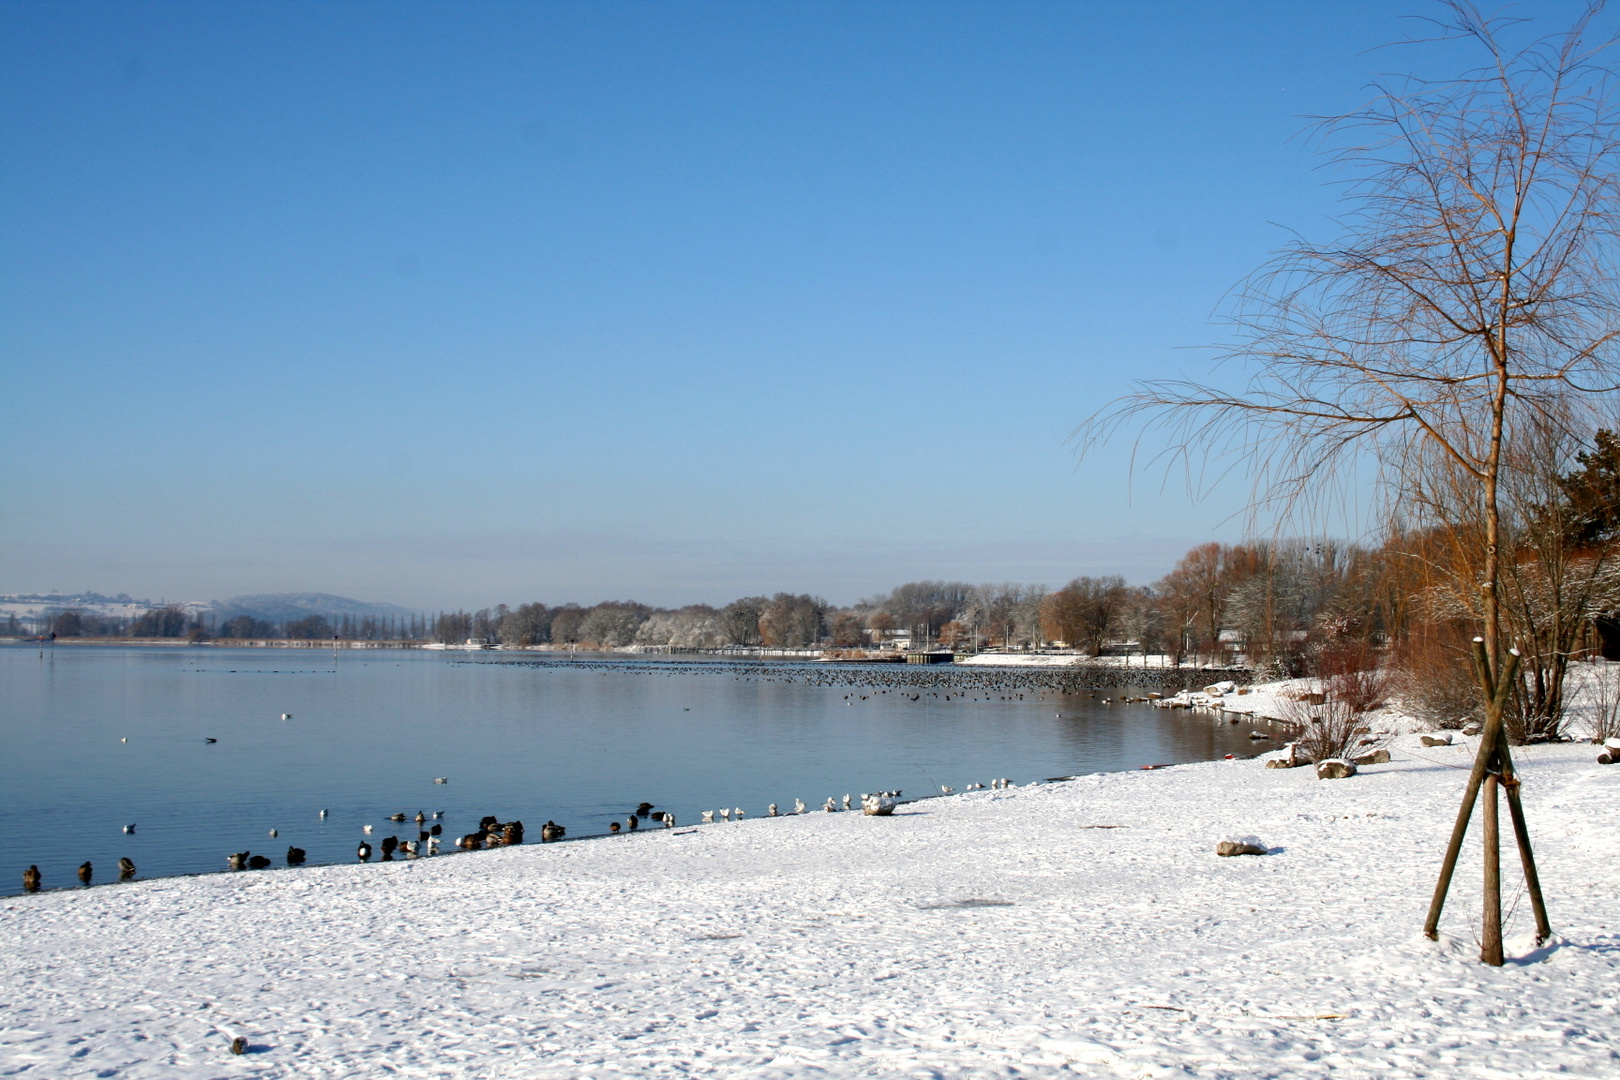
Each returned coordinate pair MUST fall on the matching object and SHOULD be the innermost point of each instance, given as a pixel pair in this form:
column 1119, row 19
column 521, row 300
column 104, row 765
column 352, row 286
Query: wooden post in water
column 1490, row 939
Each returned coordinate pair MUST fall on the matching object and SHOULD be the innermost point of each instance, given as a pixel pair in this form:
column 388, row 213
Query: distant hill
column 281, row 607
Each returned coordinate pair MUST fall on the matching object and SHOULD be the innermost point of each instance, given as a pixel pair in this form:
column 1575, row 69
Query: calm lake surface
column 96, row 738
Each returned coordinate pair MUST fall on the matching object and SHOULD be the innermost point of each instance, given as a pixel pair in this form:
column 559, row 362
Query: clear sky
column 460, row 303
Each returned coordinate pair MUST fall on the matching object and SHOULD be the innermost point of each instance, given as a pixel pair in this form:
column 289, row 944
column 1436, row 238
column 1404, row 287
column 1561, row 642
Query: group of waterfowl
column 33, row 881
column 911, row 681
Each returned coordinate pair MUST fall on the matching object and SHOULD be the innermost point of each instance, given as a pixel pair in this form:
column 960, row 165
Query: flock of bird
column 916, row 682
column 493, row 833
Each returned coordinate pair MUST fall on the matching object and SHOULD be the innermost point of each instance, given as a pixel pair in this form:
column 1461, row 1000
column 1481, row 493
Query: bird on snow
column 798, row 806
column 943, row 790
column 770, row 811
column 613, row 827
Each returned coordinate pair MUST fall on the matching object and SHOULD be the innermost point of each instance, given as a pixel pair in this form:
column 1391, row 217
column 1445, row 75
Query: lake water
column 96, row 738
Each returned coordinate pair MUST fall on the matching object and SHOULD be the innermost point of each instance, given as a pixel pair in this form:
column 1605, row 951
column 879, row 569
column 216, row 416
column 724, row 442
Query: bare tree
column 1473, row 288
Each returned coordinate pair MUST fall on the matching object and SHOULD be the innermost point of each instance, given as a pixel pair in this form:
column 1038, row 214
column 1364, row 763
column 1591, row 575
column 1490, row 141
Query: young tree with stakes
column 1471, row 295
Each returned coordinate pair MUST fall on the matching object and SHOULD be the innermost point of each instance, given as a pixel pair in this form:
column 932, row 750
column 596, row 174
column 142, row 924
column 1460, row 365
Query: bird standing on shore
column 798, row 806
column 770, row 811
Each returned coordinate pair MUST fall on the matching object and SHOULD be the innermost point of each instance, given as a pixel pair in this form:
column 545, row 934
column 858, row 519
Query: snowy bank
column 1079, row 927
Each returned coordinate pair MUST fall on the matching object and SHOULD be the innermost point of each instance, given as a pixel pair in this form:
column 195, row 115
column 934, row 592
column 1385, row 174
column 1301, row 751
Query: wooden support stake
column 1490, row 939
column 1495, row 693
column 1521, row 834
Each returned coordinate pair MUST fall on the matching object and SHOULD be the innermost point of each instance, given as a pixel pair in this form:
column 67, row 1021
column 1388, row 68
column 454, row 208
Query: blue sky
column 452, row 304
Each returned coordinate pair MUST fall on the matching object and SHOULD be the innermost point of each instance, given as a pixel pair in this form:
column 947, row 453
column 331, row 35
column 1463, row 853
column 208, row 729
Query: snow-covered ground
column 1079, row 927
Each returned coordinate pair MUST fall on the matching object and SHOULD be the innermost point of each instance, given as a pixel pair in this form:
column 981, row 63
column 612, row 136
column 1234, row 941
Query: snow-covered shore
column 1078, row 927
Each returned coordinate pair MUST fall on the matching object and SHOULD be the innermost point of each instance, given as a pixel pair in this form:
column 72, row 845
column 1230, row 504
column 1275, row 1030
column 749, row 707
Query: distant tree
column 847, row 630
column 309, row 628
column 168, row 622
column 789, row 621
column 68, row 624
column 565, row 622
column 614, row 623
column 740, row 620
column 530, row 624
column 246, row 626
column 1085, row 612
